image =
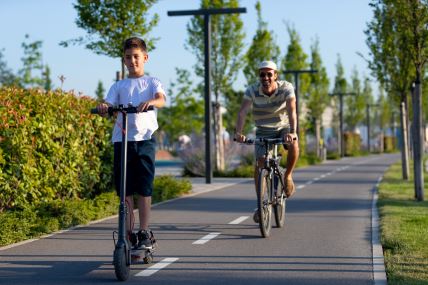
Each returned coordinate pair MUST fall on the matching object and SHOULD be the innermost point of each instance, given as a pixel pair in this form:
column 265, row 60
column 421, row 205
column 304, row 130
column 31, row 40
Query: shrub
column 352, row 144
column 51, row 148
column 389, row 143
column 167, row 187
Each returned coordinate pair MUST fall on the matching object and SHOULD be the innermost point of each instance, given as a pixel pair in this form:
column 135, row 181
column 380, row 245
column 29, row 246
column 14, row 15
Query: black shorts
column 140, row 167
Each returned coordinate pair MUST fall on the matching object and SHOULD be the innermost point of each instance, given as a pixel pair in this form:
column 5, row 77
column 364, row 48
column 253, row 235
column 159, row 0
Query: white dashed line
column 156, row 267
column 238, row 220
column 206, row 238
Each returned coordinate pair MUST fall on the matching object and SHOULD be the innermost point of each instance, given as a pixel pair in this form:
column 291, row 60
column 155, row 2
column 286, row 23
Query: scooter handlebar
column 130, row 109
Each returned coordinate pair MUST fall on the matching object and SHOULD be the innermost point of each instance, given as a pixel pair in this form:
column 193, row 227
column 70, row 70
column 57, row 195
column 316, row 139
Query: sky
column 338, row 24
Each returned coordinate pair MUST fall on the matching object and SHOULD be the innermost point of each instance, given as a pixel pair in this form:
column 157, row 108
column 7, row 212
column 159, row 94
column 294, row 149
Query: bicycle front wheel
column 264, row 202
column 280, row 202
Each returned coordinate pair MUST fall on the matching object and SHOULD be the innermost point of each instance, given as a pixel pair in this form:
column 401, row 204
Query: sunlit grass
column 404, row 229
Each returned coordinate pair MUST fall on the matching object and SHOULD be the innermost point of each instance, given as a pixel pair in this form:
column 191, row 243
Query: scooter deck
column 142, row 254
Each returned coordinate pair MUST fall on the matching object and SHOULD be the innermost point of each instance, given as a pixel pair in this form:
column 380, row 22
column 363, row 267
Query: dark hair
column 134, row 42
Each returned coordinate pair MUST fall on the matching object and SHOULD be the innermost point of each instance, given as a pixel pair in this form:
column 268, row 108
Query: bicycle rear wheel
column 264, row 203
column 280, row 204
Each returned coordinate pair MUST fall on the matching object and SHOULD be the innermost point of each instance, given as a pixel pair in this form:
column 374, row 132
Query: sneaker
column 133, row 238
column 256, row 216
column 145, row 239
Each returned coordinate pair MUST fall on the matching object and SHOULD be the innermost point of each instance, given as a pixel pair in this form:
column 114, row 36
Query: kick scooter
column 124, row 255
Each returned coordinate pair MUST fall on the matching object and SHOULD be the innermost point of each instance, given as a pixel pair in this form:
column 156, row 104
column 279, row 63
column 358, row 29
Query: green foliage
column 296, row 59
column 47, row 81
column 185, row 114
column 47, row 217
column 109, row 23
column 355, row 105
column 227, row 39
column 32, row 65
column 263, row 47
column 352, row 144
column 99, row 92
column 167, row 187
column 389, row 144
column 7, row 77
column 317, row 97
column 51, row 148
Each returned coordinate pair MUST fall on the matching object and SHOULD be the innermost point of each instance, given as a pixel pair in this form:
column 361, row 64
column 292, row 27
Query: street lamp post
column 296, row 74
column 341, row 142
column 207, row 50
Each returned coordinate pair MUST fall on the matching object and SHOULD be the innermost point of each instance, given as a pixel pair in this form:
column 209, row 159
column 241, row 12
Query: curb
column 378, row 262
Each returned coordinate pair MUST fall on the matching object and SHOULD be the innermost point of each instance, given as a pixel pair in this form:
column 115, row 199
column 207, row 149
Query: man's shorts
column 140, row 167
column 259, row 149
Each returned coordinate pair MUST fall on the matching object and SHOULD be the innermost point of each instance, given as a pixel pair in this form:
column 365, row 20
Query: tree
column 227, row 43
column 340, row 87
column 7, row 77
column 317, row 97
column 391, row 65
column 100, row 91
column 385, row 116
column 185, row 113
column 47, row 81
column 355, row 105
column 296, row 59
column 109, row 22
column 263, row 47
column 412, row 20
column 32, row 65
column 409, row 19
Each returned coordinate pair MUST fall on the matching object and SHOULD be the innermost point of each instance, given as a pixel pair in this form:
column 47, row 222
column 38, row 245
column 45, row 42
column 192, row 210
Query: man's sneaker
column 145, row 240
column 256, row 216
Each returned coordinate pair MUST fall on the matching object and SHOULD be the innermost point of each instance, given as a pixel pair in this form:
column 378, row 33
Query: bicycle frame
column 271, row 164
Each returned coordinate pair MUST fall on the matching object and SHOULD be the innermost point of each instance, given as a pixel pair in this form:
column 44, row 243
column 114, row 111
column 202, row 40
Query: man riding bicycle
column 274, row 112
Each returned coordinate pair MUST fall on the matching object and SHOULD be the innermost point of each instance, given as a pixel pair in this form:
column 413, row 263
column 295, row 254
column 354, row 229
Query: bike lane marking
column 238, row 220
column 156, row 267
column 207, row 238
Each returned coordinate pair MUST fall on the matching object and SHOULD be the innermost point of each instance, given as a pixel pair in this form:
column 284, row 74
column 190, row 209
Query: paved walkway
column 199, row 184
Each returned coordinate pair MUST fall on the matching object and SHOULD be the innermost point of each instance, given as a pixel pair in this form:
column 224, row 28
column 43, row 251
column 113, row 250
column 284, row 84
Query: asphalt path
column 210, row 238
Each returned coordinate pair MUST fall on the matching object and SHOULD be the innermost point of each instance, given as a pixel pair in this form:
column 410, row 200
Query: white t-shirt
column 134, row 91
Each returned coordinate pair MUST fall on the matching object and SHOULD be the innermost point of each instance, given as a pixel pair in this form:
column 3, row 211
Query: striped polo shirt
column 269, row 112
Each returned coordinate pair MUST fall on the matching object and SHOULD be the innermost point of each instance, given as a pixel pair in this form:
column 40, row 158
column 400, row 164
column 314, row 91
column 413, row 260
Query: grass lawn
column 404, row 229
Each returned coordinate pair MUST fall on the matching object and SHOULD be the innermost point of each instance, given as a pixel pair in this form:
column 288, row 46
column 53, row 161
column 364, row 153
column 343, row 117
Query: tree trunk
column 318, row 138
column 405, row 143
column 219, row 146
column 418, row 147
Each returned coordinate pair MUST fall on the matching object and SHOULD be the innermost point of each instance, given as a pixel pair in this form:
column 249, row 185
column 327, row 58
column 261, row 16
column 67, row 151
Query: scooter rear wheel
column 121, row 269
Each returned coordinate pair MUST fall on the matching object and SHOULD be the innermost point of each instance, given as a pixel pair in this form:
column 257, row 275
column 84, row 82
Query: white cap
column 268, row 64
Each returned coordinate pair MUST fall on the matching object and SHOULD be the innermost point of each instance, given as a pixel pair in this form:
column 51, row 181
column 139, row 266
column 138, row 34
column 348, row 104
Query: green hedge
column 389, row 143
column 51, row 148
column 352, row 144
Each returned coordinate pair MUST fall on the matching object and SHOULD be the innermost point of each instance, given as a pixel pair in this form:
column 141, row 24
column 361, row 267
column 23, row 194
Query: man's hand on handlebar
column 240, row 138
column 290, row 137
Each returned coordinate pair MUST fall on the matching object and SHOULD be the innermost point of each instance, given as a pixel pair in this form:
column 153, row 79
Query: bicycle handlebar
column 264, row 140
column 120, row 108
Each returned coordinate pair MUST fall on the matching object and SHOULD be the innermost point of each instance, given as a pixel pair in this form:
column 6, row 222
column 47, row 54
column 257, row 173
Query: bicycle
column 270, row 197
column 123, row 255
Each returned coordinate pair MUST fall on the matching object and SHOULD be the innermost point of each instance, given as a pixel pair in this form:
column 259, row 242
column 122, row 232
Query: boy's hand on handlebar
column 102, row 109
column 144, row 106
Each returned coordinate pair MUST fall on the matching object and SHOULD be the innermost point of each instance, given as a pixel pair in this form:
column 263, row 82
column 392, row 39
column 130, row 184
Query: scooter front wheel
column 121, row 269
